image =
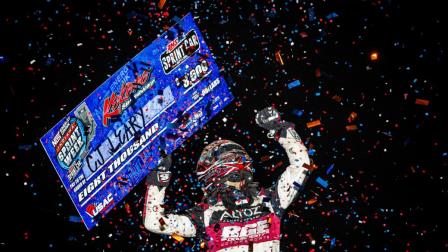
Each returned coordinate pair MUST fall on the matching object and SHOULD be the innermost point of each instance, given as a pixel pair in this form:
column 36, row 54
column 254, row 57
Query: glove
column 269, row 119
column 161, row 175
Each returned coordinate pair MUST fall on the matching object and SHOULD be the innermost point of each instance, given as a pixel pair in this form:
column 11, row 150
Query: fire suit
column 245, row 227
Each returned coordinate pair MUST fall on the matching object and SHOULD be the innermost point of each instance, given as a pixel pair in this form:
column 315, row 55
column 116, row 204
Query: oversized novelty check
column 110, row 142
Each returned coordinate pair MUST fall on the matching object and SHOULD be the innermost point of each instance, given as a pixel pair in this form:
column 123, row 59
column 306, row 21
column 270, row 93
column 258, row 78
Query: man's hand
column 269, row 119
column 161, row 175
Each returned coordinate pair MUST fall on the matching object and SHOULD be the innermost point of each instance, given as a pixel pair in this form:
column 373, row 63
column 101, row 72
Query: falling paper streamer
column 313, row 124
column 422, row 102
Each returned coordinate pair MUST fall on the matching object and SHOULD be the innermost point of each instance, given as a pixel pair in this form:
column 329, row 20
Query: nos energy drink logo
column 94, row 209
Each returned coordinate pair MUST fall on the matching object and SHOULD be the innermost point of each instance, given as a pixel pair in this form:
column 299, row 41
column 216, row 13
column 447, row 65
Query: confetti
column 265, row 158
column 311, row 167
column 374, row 76
column 178, row 237
column 294, row 84
column 322, row 182
column 75, row 219
column 374, row 56
column 297, row 112
column 313, row 124
column 422, row 102
column 161, row 4
column 278, row 57
column 332, row 15
column 311, row 201
column 352, row 117
column 336, row 98
column 352, row 127
column 333, row 243
column 311, row 152
column 329, row 169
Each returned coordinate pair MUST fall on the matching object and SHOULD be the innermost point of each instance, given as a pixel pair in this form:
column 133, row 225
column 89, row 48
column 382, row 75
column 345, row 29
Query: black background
column 388, row 188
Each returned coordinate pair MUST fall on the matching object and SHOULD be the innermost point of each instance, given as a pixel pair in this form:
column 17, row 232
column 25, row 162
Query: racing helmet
column 221, row 161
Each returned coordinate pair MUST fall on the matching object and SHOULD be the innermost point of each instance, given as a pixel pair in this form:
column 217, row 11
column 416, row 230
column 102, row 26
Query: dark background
column 388, row 188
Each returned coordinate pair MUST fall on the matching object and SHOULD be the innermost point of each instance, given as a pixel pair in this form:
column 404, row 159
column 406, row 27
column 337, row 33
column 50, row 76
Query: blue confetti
column 75, row 219
column 311, row 152
column 330, row 168
column 25, row 147
column 297, row 112
column 333, row 243
column 294, row 84
column 332, row 15
column 322, row 182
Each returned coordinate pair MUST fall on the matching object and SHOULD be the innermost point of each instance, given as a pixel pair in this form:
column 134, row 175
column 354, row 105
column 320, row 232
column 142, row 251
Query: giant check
column 109, row 143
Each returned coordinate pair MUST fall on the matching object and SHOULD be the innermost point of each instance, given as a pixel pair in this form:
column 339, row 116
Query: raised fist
column 161, row 175
column 269, row 118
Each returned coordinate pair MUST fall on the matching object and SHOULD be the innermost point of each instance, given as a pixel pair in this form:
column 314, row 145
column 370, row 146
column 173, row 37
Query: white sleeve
column 293, row 178
column 156, row 221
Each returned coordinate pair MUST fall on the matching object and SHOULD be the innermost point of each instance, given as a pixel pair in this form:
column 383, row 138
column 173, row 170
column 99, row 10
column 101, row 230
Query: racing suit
column 251, row 227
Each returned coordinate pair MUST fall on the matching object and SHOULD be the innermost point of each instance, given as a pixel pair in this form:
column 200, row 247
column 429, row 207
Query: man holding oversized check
column 130, row 124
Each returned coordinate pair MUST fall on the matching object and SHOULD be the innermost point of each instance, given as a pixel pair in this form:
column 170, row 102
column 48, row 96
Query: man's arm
column 294, row 177
column 155, row 220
